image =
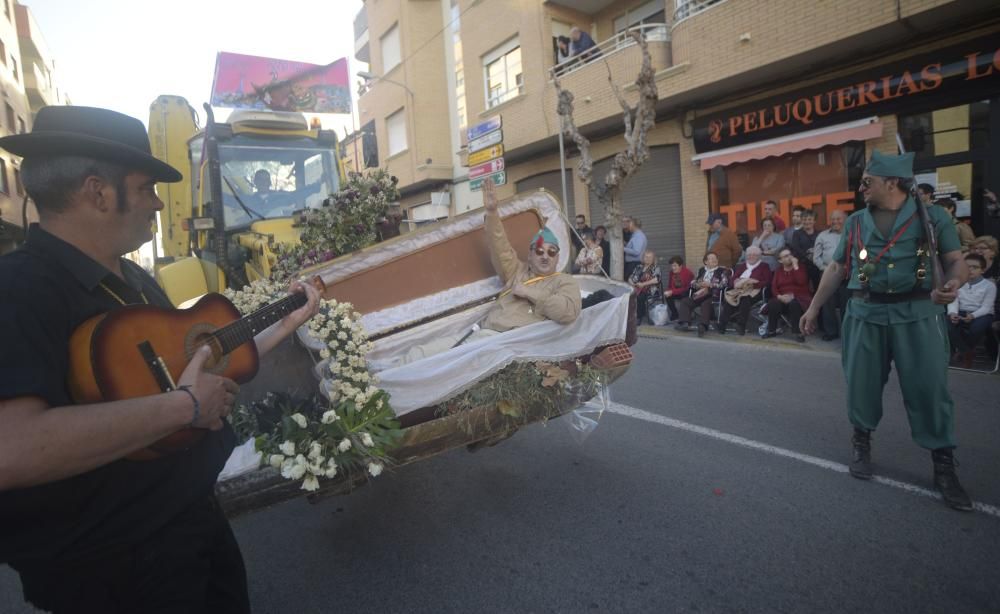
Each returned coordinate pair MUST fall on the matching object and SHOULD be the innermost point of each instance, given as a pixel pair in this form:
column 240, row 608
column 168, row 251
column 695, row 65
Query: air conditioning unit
column 441, row 198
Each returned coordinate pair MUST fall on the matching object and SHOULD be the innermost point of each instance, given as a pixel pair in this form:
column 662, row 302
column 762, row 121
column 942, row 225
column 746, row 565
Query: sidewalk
column 812, row 343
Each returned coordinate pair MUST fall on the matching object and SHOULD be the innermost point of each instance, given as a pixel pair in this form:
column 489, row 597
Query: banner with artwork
column 252, row 82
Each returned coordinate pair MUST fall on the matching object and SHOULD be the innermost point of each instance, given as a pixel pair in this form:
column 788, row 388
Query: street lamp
column 369, row 76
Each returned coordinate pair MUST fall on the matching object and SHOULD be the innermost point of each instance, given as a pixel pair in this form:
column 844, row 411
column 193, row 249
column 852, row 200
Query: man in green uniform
column 896, row 316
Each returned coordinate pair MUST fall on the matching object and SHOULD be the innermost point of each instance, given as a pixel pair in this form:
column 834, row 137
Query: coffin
column 414, row 288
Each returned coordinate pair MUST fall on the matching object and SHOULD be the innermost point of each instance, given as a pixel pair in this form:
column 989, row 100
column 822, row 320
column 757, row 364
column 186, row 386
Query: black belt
column 899, row 297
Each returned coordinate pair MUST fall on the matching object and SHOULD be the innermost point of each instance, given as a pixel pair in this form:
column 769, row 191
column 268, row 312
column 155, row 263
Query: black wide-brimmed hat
column 95, row 133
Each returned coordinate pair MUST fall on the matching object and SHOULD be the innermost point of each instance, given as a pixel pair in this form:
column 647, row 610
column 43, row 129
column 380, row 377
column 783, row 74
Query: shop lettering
column 752, row 212
column 806, row 109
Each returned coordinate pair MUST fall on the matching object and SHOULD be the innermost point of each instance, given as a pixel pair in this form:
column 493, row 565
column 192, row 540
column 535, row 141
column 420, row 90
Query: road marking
column 639, row 414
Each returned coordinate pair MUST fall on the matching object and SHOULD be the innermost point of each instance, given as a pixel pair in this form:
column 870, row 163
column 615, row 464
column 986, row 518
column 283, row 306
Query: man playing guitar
column 87, row 529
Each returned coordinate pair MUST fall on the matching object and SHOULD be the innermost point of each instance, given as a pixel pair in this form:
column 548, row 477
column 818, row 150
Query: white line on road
column 639, row 414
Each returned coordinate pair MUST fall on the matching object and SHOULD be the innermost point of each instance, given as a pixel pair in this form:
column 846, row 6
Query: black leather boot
column 861, row 462
column 947, row 483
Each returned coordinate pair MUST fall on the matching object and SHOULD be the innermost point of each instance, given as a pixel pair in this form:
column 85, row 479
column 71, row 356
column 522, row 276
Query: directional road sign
column 486, row 168
column 485, row 141
column 482, row 128
column 498, row 178
column 485, row 155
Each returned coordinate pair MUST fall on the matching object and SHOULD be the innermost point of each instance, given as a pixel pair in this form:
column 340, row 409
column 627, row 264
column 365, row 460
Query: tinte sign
column 945, row 77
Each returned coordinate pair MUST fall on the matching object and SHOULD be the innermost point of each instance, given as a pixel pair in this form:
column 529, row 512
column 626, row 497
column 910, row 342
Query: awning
column 860, row 130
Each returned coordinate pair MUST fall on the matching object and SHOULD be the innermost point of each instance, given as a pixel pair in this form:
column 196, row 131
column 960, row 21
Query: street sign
column 498, row 178
column 485, row 127
column 485, row 155
column 486, row 168
column 485, row 141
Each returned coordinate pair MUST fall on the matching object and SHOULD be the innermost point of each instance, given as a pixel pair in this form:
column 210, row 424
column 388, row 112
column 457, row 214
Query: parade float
column 335, row 406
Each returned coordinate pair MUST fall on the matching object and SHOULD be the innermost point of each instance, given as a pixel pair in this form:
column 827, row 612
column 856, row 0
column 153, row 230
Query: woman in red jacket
column 790, row 294
column 677, row 284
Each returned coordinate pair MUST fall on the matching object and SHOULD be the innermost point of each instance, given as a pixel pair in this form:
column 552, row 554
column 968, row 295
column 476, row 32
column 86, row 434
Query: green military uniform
column 912, row 333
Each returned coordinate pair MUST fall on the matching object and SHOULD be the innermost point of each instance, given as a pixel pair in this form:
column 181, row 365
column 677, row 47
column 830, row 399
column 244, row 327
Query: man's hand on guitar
column 304, row 313
column 216, row 395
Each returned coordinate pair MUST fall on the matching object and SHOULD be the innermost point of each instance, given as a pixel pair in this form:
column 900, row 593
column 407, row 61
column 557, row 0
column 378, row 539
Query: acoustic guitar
column 141, row 350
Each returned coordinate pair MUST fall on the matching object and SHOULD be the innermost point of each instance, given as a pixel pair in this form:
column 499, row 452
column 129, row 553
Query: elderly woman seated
column 746, row 288
column 706, row 290
column 647, row 283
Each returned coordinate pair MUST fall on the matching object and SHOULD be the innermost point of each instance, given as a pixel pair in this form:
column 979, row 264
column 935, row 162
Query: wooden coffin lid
column 422, row 263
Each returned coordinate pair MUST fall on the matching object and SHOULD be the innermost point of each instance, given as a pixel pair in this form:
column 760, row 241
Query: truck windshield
column 274, row 177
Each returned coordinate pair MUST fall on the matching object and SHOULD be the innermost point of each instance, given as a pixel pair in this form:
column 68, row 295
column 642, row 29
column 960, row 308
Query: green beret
column 885, row 165
column 545, row 236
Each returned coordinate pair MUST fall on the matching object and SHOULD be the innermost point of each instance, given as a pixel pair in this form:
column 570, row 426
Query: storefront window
column 946, row 131
column 822, row 180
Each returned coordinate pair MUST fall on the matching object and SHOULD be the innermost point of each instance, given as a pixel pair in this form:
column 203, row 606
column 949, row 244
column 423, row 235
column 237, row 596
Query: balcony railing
column 687, row 8
column 654, row 32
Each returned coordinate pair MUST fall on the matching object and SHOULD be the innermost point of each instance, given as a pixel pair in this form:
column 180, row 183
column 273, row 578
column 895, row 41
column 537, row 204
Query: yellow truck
column 246, row 182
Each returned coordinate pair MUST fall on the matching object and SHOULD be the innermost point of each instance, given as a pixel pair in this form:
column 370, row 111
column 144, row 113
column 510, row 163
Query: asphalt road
column 715, row 483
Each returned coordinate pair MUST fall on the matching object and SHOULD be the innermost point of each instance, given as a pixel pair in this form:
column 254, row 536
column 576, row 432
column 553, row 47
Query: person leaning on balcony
column 583, row 46
column 722, row 242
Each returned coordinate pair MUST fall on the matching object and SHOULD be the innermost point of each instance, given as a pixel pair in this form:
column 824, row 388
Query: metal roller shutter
column 552, row 182
column 654, row 196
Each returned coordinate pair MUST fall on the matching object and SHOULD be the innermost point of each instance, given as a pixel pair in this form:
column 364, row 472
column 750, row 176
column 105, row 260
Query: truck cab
column 265, row 170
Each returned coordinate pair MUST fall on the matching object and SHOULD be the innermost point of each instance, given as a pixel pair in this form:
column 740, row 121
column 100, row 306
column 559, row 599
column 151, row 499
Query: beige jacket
column 556, row 297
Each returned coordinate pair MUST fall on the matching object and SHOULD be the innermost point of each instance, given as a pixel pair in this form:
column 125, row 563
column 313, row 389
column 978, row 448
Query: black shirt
column 47, row 289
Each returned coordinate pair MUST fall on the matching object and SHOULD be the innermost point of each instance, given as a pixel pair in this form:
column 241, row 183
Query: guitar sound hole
column 199, row 335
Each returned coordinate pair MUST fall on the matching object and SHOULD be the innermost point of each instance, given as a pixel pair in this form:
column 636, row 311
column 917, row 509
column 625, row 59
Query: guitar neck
column 246, row 328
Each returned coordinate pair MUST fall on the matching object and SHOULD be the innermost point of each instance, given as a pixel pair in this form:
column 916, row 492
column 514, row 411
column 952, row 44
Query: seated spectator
column 826, row 244
column 582, row 46
column 986, row 246
column 749, row 279
column 972, row 313
column 802, row 246
column 706, row 289
column 647, row 283
column 600, row 236
column 790, row 295
column 588, row 261
column 770, row 242
column 678, row 284
column 965, row 234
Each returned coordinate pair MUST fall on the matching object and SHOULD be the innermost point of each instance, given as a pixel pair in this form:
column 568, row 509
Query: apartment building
column 758, row 100
column 27, row 83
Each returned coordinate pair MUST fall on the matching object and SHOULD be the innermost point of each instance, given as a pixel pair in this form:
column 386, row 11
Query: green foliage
column 347, row 221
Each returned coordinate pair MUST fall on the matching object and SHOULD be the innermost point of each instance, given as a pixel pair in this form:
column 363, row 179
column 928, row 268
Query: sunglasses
column 866, row 182
column 552, row 251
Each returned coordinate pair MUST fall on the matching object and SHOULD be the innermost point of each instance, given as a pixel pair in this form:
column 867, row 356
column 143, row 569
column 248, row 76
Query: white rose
column 359, row 398
column 344, row 445
column 287, row 448
column 276, row 460
column 310, row 483
column 331, row 469
column 342, row 336
column 330, row 416
column 324, row 353
column 345, row 322
column 374, row 469
column 300, row 420
column 315, row 450
column 367, row 440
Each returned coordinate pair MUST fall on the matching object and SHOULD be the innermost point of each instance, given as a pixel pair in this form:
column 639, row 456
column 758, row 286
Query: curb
column 812, row 344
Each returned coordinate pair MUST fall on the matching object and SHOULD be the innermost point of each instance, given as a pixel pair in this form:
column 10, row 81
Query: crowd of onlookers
column 773, row 279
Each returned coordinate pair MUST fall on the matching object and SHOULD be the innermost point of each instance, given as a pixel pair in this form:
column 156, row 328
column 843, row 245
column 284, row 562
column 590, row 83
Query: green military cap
column 544, row 236
column 885, row 165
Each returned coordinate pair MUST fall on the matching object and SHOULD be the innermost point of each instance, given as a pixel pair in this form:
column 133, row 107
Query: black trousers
column 192, row 565
column 828, row 312
column 776, row 309
column 742, row 310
